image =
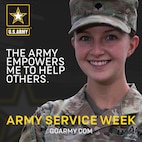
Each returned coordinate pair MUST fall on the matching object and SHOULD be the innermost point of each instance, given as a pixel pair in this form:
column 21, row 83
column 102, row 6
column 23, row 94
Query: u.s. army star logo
column 18, row 19
column 18, row 16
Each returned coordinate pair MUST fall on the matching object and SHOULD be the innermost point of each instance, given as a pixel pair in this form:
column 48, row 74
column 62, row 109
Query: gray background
column 50, row 22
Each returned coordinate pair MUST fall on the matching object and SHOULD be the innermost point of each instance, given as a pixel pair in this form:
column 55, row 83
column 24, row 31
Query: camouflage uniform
column 78, row 105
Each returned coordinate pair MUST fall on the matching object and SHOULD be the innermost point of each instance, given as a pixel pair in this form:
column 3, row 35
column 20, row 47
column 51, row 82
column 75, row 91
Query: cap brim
column 96, row 19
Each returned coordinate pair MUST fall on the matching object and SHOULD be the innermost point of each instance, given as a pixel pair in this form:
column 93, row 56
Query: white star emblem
column 18, row 16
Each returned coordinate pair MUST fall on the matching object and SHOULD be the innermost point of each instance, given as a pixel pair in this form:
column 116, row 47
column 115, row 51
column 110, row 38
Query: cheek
column 125, row 50
column 79, row 55
column 80, row 52
column 121, row 52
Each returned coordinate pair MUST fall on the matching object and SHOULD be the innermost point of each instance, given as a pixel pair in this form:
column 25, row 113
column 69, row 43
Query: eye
column 85, row 38
column 111, row 37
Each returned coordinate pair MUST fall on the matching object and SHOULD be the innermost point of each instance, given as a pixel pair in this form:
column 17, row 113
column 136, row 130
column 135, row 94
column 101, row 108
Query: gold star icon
column 18, row 16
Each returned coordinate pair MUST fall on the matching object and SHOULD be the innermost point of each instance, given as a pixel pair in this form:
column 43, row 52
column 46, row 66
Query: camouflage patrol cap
column 117, row 13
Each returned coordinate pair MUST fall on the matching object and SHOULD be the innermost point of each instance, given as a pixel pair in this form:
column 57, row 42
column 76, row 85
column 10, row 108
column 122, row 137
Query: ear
column 133, row 45
column 73, row 41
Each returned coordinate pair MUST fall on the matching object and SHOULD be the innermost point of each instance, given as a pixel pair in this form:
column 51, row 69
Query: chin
column 100, row 78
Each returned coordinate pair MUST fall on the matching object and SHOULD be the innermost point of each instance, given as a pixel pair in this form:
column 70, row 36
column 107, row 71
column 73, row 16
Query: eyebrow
column 111, row 30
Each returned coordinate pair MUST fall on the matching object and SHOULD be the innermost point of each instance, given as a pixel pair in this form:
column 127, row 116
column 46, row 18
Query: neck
column 107, row 95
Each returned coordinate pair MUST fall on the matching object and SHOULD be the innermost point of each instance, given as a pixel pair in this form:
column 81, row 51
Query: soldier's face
column 101, row 52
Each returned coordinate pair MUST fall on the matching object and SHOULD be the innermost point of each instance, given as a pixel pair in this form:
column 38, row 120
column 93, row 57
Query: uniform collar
column 78, row 105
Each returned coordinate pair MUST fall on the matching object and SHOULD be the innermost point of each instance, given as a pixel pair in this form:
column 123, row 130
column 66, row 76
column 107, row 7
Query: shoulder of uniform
column 132, row 102
column 49, row 108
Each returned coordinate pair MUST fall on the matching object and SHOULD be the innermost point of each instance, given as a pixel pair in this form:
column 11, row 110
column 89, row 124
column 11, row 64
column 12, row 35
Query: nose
column 97, row 49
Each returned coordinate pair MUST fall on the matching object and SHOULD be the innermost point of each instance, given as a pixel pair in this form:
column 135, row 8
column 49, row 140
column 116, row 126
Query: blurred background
column 50, row 23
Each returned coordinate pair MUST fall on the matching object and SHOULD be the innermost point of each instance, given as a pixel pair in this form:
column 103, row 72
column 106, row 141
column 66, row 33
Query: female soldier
column 103, row 38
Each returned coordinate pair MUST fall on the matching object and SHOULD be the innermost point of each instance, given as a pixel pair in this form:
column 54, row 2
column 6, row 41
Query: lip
column 99, row 63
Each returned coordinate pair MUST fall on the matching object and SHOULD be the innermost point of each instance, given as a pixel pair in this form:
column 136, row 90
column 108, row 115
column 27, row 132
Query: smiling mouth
column 99, row 63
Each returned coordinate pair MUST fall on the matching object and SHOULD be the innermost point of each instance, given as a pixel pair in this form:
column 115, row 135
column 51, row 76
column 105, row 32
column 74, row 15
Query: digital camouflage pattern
column 78, row 105
column 118, row 13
